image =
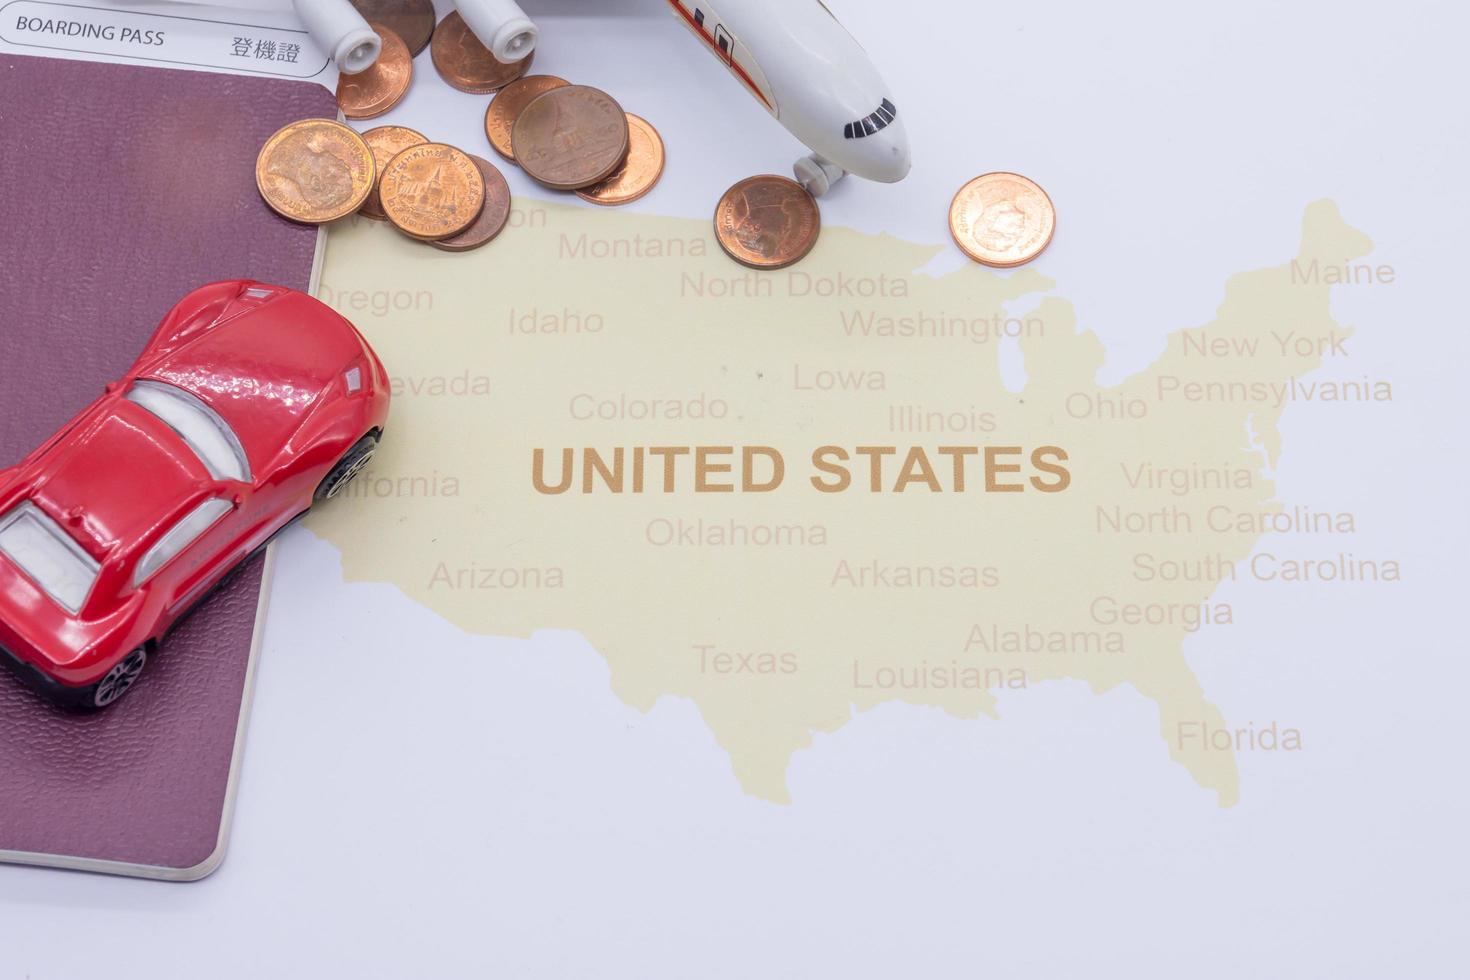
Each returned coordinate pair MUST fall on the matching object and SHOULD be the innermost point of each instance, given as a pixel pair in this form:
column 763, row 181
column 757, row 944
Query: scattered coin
column 386, row 142
column 315, row 170
column 412, row 20
column 639, row 172
column 1002, row 219
column 570, row 137
column 506, row 108
column 468, row 65
column 432, row 191
column 767, row 222
column 380, row 87
column 492, row 216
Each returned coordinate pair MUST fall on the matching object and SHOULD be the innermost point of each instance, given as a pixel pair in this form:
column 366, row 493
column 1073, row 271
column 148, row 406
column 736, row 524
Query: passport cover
column 122, row 188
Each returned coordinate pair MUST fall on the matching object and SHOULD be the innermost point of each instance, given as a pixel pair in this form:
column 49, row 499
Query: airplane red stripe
column 740, row 73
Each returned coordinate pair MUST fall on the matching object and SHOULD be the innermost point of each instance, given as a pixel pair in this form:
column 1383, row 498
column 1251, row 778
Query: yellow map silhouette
column 780, row 613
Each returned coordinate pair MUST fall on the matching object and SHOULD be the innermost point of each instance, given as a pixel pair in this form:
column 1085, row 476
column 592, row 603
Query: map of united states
column 792, row 496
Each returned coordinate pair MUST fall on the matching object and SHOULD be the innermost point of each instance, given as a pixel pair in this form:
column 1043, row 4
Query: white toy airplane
column 792, row 55
column 814, row 78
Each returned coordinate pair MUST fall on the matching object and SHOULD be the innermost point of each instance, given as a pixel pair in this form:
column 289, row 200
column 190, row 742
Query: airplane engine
column 501, row 25
column 342, row 32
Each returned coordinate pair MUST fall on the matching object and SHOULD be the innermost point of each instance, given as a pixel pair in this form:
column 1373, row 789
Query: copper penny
column 570, row 137
column 314, row 171
column 1002, row 220
column 432, row 191
column 468, row 65
column 639, row 172
column 382, row 86
column 492, row 216
column 767, row 222
column 506, row 108
column 386, row 142
column 412, row 20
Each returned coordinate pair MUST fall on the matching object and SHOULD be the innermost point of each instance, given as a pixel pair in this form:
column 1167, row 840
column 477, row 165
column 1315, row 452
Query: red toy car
column 249, row 404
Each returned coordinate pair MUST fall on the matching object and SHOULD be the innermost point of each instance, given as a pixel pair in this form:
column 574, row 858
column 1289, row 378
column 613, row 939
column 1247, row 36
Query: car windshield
column 43, row 551
column 213, row 441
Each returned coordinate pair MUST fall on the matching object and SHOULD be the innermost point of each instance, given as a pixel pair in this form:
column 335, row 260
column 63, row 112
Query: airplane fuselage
column 806, row 69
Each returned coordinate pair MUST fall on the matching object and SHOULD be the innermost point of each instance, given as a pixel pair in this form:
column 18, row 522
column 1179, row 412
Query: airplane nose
column 884, row 156
column 902, row 162
column 891, row 161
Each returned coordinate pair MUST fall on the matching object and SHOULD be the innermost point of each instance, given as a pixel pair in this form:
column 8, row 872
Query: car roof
column 117, row 477
column 264, row 370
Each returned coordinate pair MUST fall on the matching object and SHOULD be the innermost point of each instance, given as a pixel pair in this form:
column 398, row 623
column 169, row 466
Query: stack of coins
column 318, row 170
column 575, row 138
column 566, row 137
column 431, row 191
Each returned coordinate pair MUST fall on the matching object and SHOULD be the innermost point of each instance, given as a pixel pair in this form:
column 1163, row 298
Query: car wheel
column 120, row 679
column 351, row 464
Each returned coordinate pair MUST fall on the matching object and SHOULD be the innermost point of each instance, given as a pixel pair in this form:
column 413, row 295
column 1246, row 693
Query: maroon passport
column 121, row 189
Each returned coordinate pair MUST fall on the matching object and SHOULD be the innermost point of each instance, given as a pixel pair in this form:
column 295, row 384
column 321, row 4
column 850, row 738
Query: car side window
column 179, row 537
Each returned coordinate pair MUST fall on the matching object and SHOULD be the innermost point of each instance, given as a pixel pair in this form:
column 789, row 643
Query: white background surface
column 519, row 821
